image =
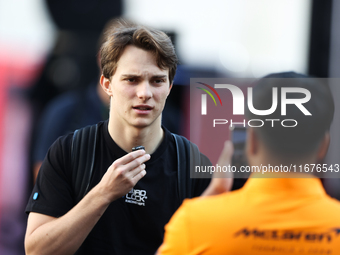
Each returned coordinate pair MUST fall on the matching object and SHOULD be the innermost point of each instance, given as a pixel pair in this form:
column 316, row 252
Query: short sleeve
column 52, row 194
column 176, row 238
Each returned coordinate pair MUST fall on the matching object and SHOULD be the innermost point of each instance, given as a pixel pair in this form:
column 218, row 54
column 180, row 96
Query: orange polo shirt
column 267, row 216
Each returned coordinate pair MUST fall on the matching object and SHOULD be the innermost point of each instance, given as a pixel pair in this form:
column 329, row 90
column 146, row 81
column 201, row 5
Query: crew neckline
column 119, row 152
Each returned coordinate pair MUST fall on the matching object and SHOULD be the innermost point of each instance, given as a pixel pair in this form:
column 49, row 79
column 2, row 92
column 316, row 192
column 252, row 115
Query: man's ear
column 170, row 87
column 323, row 147
column 106, row 85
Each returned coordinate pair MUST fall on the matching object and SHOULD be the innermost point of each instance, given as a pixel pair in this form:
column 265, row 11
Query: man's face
column 138, row 89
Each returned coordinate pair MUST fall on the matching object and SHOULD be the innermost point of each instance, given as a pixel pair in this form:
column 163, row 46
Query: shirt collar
column 288, row 183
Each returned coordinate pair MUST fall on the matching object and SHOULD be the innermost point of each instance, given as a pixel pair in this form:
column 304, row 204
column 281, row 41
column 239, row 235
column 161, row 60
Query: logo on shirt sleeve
column 35, row 196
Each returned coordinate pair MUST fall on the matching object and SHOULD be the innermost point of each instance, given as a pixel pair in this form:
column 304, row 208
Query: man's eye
column 159, row 80
column 131, row 79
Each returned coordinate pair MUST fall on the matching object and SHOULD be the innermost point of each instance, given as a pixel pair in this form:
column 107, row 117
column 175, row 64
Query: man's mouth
column 143, row 108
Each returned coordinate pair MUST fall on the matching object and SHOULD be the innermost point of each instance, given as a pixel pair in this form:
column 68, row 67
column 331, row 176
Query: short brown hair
column 121, row 33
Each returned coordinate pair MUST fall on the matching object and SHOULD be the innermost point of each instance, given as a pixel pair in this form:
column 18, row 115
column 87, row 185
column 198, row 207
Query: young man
column 274, row 213
column 131, row 195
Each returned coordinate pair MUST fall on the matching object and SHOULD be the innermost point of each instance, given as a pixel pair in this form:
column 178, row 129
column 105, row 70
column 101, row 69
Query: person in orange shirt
column 276, row 212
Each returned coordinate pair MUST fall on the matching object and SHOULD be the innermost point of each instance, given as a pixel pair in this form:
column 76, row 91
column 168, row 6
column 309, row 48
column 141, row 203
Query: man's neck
column 129, row 137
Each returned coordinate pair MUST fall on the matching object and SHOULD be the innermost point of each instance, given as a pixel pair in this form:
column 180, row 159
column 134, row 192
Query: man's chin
column 145, row 124
column 142, row 124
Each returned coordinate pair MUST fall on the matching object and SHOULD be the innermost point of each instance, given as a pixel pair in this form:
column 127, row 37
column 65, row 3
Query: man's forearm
column 65, row 235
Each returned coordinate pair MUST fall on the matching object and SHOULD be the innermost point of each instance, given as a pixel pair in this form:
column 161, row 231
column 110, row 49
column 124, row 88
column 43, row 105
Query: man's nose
column 144, row 90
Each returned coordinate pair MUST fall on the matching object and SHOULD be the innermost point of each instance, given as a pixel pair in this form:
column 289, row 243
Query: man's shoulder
column 85, row 138
column 98, row 125
column 330, row 208
column 180, row 138
column 65, row 141
column 62, row 142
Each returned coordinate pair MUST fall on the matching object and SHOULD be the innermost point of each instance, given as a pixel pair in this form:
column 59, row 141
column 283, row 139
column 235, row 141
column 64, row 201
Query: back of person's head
column 305, row 137
column 121, row 33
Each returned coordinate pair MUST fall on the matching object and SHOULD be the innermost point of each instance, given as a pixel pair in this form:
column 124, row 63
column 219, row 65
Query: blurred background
column 49, row 73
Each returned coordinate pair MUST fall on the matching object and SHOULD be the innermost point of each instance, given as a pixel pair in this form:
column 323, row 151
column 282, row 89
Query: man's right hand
column 123, row 175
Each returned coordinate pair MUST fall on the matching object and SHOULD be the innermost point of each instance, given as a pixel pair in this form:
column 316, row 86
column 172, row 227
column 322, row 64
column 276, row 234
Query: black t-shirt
column 133, row 224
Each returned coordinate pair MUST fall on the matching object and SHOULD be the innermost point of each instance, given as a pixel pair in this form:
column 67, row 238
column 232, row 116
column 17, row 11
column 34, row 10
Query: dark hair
column 306, row 136
column 121, row 33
